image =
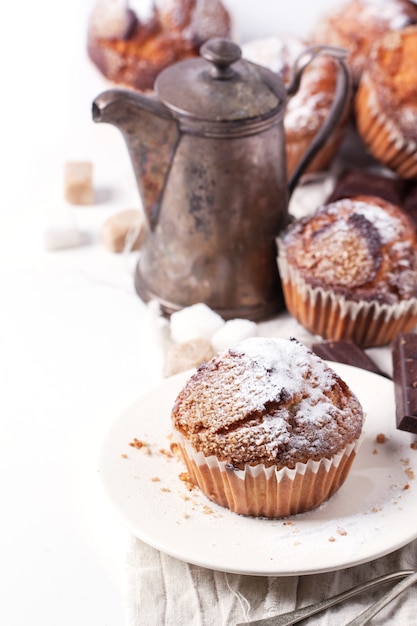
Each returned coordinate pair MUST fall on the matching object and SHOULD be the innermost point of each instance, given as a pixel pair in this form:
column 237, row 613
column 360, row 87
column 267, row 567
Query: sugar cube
column 78, row 179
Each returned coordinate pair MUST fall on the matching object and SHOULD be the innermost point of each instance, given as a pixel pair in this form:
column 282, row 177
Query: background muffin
column 349, row 271
column 132, row 42
column 386, row 102
column 307, row 110
column 267, row 428
column 357, row 24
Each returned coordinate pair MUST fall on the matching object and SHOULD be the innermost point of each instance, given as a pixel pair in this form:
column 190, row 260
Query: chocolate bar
column 347, row 352
column 354, row 182
column 365, row 183
column 410, row 201
column 404, row 366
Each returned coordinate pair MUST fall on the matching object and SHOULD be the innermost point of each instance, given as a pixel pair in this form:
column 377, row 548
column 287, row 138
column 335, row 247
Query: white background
column 74, row 346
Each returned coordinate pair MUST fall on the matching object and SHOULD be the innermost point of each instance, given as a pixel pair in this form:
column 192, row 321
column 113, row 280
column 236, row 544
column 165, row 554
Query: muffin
column 386, row 103
column 349, row 271
column 308, row 109
column 132, row 42
column 357, row 24
column 267, row 428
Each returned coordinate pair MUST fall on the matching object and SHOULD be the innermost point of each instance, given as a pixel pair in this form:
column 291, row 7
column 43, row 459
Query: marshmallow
column 232, row 332
column 195, row 321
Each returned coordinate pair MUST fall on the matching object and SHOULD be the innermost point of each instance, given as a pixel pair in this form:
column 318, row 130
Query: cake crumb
column 140, row 445
column 124, row 456
column 375, row 451
column 380, row 438
column 410, row 473
column 155, row 479
column 207, row 510
column 185, row 477
column 413, row 445
column 341, row 531
column 136, row 443
column 175, row 449
column 406, row 486
column 332, row 539
column 165, row 490
column 165, row 452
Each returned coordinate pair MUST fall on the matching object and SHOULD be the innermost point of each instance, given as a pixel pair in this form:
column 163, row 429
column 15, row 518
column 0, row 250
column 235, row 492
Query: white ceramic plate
column 371, row 515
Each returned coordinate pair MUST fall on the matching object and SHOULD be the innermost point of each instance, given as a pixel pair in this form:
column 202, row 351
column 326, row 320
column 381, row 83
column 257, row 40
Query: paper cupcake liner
column 382, row 136
column 266, row 491
column 336, row 318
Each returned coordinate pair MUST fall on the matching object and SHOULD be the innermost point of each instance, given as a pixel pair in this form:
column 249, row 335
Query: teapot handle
column 340, row 101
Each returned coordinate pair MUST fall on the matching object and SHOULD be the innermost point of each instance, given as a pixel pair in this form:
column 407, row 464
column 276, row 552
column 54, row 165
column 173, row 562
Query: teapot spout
column 151, row 134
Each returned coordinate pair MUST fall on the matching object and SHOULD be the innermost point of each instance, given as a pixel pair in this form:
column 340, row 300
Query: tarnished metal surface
column 209, row 159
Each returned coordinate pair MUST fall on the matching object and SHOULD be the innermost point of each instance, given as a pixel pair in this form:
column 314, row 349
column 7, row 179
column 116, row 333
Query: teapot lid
column 219, row 86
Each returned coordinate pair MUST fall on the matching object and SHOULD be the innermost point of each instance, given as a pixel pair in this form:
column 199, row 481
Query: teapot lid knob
column 222, row 53
column 220, row 87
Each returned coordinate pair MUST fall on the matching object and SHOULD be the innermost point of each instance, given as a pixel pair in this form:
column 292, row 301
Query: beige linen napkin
column 169, row 592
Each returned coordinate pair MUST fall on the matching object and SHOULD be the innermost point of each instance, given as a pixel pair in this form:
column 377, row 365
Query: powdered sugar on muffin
column 269, row 401
column 361, row 248
column 356, row 24
column 307, row 110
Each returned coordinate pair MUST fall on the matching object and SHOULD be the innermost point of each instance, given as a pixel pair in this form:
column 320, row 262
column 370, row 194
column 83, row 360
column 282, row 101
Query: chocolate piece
column 410, row 201
column 346, row 352
column 404, row 364
column 362, row 182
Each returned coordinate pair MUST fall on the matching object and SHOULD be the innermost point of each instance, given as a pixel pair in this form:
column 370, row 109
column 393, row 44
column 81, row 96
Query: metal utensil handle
column 340, row 101
column 377, row 606
column 286, row 619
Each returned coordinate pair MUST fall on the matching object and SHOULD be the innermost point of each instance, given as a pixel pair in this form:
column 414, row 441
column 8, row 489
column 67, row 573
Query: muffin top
column 132, row 41
column 269, row 401
column 392, row 72
column 362, row 248
column 310, row 106
column 357, row 24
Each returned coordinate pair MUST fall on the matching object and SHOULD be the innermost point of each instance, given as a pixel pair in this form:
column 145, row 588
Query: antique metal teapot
column 208, row 152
